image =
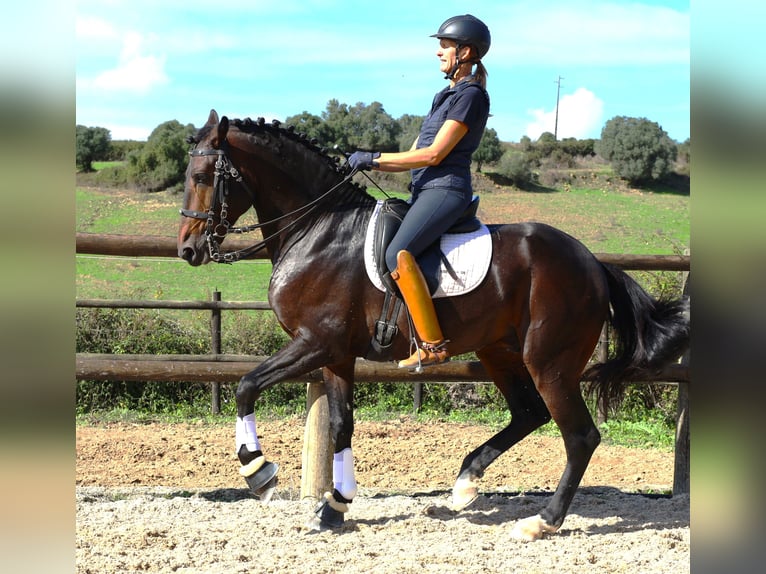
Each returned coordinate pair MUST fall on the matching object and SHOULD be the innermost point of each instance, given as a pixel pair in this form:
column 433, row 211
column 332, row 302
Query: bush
column 253, row 334
column 639, row 150
column 91, row 144
column 160, row 164
column 517, row 167
column 118, row 331
column 113, row 176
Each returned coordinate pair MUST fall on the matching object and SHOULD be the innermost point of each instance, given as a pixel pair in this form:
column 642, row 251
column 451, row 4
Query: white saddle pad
column 469, row 254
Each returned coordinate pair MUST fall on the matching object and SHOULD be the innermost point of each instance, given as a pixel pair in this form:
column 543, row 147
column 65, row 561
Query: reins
column 225, row 171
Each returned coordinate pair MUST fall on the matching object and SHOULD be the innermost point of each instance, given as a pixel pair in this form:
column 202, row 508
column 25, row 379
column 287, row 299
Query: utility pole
column 556, row 125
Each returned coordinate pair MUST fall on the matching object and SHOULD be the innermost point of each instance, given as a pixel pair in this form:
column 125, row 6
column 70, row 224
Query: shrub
column 161, row 163
column 517, row 167
column 118, row 331
column 91, row 144
column 639, row 150
column 490, row 149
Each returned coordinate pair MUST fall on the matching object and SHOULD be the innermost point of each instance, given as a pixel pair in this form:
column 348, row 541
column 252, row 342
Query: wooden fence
column 217, row 368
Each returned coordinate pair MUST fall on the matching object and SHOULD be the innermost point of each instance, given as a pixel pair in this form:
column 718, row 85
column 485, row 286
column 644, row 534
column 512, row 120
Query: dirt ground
column 167, row 498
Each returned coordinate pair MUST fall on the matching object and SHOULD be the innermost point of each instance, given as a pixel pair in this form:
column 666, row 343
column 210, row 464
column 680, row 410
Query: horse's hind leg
column 528, row 412
column 559, row 385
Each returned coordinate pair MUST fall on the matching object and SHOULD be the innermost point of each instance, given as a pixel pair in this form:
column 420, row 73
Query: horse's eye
column 201, row 178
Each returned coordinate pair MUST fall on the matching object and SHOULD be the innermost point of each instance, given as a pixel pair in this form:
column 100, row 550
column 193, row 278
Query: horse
column 533, row 321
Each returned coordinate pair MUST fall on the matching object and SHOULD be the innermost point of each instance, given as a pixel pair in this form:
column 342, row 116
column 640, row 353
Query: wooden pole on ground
column 316, row 475
column 215, row 348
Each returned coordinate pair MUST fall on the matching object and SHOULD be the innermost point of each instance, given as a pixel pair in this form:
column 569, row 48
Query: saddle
column 391, row 215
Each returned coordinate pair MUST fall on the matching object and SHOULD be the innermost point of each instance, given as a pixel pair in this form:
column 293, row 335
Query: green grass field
column 605, row 221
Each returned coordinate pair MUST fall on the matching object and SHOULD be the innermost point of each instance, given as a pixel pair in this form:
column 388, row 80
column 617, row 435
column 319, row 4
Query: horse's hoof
column 326, row 517
column 531, row 529
column 267, row 491
column 464, row 493
column 261, row 479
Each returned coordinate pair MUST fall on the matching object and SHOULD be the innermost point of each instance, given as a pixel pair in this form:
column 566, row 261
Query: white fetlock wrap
column 252, row 467
column 343, row 474
column 334, row 504
column 247, row 434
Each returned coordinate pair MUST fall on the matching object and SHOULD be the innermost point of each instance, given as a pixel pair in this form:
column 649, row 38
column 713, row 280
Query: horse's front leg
column 331, row 510
column 295, row 359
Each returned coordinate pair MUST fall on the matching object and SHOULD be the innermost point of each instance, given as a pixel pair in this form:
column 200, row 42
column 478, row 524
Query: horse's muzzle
column 193, row 251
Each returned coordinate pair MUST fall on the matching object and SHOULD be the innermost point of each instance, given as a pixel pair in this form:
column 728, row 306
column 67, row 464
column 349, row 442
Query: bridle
column 215, row 233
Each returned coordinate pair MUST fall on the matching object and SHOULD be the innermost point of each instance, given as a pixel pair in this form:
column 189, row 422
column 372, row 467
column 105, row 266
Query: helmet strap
column 451, row 74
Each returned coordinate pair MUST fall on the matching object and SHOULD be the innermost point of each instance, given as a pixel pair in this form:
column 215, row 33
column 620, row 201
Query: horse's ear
column 212, row 119
column 223, row 129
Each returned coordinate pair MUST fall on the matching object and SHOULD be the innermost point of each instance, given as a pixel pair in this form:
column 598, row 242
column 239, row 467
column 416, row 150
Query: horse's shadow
column 227, row 495
column 590, row 502
column 498, row 508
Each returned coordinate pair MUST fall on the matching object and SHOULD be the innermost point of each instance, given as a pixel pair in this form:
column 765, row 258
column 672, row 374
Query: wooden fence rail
column 219, row 368
column 230, row 368
column 162, row 246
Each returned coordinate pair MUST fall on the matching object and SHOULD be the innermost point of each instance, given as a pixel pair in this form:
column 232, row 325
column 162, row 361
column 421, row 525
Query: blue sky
column 140, row 63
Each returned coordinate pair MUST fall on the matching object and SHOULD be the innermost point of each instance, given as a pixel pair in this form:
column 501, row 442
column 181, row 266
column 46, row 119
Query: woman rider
column 439, row 161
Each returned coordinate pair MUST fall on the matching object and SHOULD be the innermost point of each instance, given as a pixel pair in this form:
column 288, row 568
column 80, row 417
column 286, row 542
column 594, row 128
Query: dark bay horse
column 533, row 322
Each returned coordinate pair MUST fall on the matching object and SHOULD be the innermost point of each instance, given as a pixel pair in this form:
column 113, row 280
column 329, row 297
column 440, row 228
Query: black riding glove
column 363, row 160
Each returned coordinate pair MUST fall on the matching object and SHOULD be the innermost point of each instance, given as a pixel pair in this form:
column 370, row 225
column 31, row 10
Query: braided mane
column 275, row 128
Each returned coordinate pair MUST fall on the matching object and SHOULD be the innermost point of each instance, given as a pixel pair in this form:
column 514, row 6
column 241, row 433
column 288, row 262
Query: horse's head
column 289, row 180
column 209, row 206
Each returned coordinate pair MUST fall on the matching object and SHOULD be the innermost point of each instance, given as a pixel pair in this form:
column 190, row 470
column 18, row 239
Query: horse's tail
column 649, row 335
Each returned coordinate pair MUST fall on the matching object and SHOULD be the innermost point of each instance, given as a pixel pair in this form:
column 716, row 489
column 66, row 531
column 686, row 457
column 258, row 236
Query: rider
column 439, row 160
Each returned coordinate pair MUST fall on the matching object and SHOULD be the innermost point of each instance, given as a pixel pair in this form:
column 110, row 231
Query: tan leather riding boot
column 414, row 290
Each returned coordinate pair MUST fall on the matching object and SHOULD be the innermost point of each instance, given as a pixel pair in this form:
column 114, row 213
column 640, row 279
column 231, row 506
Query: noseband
column 215, row 233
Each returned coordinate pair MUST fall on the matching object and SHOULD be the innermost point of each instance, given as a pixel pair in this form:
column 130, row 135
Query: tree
column 489, row 151
column 638, row 149
column 313, row 126
column 545, row 144
column 409, row 129
column 578, row 148
column 361, row 126
column 334, row 117
column 91, row 144
column 161, row 162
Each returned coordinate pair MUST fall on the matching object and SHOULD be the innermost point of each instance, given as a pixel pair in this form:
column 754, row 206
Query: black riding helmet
column 466, row 30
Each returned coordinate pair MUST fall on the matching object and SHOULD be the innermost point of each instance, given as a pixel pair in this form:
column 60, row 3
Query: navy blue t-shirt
column 467, row 103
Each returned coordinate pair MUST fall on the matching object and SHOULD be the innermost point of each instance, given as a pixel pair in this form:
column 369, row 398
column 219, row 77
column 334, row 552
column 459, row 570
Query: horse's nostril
column 187, row 254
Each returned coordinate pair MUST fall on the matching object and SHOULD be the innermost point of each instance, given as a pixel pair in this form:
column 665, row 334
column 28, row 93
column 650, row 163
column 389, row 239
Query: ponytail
column 480, row 75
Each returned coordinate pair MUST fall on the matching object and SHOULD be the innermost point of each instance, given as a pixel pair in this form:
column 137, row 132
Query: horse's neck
column 290, row 175
column 301, row 228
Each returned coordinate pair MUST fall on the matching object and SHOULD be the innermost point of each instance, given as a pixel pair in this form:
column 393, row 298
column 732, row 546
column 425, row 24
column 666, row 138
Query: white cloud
column 135, row 72
column 580, row 114
column 121, row 132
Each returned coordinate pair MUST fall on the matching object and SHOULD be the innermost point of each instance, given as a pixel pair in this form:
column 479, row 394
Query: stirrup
column 426, row 355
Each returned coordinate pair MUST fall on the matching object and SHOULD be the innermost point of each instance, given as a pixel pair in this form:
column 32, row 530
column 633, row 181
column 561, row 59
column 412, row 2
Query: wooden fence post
column 417, row 396
column 215, row 348
column 316, row 464
column 682, row 462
